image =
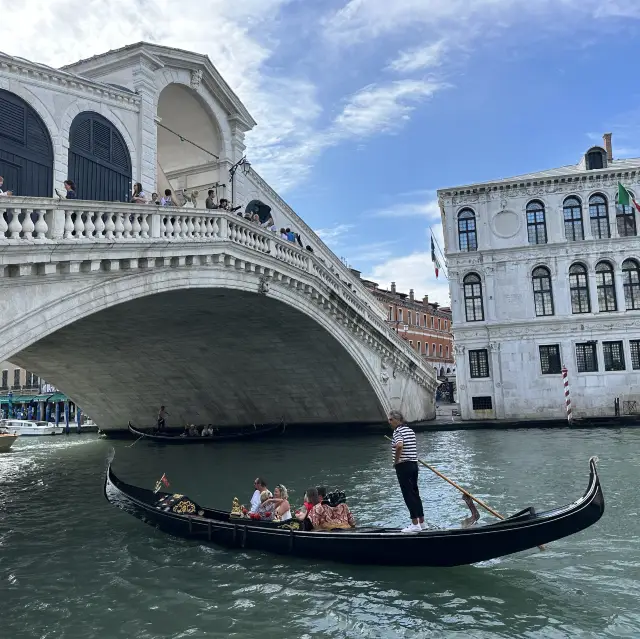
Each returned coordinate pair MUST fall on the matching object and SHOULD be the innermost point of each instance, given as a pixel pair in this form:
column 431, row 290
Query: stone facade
column 543, row 270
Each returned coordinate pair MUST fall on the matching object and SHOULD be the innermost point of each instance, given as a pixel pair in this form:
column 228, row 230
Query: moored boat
column 27, row 427
column 6, row 441
column 180, row 516
column 222, row 434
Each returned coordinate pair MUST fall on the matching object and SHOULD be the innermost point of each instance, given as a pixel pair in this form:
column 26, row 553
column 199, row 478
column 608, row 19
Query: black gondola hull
column 374, row 546
column 247, row 433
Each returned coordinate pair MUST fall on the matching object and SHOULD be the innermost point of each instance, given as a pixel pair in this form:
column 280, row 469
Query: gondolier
column 405, row 462
column 162, row 418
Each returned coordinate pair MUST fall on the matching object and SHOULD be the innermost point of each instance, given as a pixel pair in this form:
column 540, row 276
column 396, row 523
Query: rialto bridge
column 125, row 307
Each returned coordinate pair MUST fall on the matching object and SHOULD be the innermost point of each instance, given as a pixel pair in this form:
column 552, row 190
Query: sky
column 366, row 107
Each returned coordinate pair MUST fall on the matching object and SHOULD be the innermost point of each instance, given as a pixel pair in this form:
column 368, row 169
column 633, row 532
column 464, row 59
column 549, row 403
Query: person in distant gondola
column 162, row 418
column 405, row 461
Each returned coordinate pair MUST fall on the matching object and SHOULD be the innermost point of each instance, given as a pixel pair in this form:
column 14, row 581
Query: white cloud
column 430, row 210
column 382, row 108
column 414, row 271
column 333, row 235
column 417, row 58
column 362, row 20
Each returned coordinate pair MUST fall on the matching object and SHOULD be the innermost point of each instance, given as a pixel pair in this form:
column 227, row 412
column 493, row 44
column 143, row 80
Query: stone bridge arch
column 204, row 342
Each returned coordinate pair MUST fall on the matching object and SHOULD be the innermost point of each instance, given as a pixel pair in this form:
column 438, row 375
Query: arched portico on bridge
column 190, row 141
column 208, row 346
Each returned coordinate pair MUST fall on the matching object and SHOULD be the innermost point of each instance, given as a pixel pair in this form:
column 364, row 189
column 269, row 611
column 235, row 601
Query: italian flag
column 625, row 198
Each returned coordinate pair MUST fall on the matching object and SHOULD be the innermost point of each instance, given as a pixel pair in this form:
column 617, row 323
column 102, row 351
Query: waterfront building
column 424, row 325
column 544, row 271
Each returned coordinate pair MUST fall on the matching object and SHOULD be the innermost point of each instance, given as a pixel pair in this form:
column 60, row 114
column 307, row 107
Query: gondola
column 180, row 516
column 223, row 435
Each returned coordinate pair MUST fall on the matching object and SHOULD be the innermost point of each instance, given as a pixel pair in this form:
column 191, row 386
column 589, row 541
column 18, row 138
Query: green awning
column 42, row 398
column 23, row 399
column 4, row 399
column 57, row 397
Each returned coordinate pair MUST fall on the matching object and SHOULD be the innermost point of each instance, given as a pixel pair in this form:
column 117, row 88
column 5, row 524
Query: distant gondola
column 180, row 516
column 225, row 434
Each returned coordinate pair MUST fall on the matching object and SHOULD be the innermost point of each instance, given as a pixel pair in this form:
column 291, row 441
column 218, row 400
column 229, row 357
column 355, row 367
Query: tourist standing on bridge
column 405, row 461
column 2, row 192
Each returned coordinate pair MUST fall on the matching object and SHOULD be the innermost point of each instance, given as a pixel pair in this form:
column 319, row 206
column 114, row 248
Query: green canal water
column 73, row 566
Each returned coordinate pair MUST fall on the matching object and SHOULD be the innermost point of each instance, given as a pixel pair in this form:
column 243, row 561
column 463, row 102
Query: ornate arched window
column 599, row 214
column 536, row 224
column 573, row 228
column 542, row 293
column 606, row 287
column 579, row 288
column 631, row 283
column 467, row 238
column 473, row 305
column 626, row 218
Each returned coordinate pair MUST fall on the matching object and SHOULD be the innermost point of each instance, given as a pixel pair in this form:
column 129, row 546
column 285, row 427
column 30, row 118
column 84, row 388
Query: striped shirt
column 409, row 446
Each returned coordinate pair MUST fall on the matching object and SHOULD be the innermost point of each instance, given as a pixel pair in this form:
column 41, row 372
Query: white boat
column 29, row 427
column 6, row 441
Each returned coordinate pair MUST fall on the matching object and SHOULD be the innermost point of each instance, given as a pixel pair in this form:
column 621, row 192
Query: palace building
column 544, row 271
column 425, row 325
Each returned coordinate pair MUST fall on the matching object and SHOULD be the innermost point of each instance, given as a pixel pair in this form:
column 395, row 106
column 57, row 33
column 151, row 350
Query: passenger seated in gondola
column 193, row 431
column 325, row 517
column 280, row 500
column 266, row 509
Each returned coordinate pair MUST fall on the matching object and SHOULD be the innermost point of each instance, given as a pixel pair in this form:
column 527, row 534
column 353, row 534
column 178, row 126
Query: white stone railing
column 43, row 221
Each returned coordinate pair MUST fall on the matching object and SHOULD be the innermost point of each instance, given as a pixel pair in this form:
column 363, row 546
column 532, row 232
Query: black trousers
column 407, row 473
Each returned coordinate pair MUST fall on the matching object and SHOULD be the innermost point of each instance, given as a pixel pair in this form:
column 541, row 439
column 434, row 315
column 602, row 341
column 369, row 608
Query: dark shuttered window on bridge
column 26, row 152
column 99, row 161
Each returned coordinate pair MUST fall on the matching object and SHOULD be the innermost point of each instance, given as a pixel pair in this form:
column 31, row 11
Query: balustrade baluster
column 232, row 231
column 144, row 226
column 208, row 231
column 4, row 227
column 177, row 227
column 169, row 228
column 110, row 226
column 135, row 227
column 68, row 225
column 119, row 226
column 99, row 225
column 27, row 225
column 197, row 227
column 190, row 227
column 41, row 227
column 89, row 226
column 78, row 225
column 127, row 225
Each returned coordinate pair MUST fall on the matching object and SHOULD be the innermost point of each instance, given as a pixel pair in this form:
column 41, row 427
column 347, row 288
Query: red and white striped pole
column 567, row 396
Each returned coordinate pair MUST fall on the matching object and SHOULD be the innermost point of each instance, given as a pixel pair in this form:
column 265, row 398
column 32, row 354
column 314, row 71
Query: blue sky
column 365, row 107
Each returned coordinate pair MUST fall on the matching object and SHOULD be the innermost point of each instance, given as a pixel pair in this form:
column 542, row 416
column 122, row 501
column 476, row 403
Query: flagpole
column 434, row 242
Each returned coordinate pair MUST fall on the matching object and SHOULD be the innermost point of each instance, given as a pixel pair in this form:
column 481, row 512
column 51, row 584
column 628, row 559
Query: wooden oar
column 462, row 490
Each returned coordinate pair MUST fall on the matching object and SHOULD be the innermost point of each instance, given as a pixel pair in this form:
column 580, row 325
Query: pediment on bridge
column 122, row 63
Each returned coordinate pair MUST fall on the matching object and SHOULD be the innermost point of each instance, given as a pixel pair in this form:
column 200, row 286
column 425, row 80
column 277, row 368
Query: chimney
column 411, row 294
column 606, row 138
column 425, row 300
column 393, row 287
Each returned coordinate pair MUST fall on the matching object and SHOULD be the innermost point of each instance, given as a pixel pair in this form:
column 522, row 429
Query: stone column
column 238, row 149
column 461, row 380
column 147, row 142
column 496, row 377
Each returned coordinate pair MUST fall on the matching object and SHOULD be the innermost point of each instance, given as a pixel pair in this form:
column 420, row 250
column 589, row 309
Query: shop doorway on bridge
column 189, row 145
column 99, row 161
column 26, row 152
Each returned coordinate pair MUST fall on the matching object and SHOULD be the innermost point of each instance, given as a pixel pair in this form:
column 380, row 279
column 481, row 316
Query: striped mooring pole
column 567, row 396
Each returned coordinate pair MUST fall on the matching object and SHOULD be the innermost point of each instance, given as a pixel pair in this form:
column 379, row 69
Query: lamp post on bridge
column 246, row 165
